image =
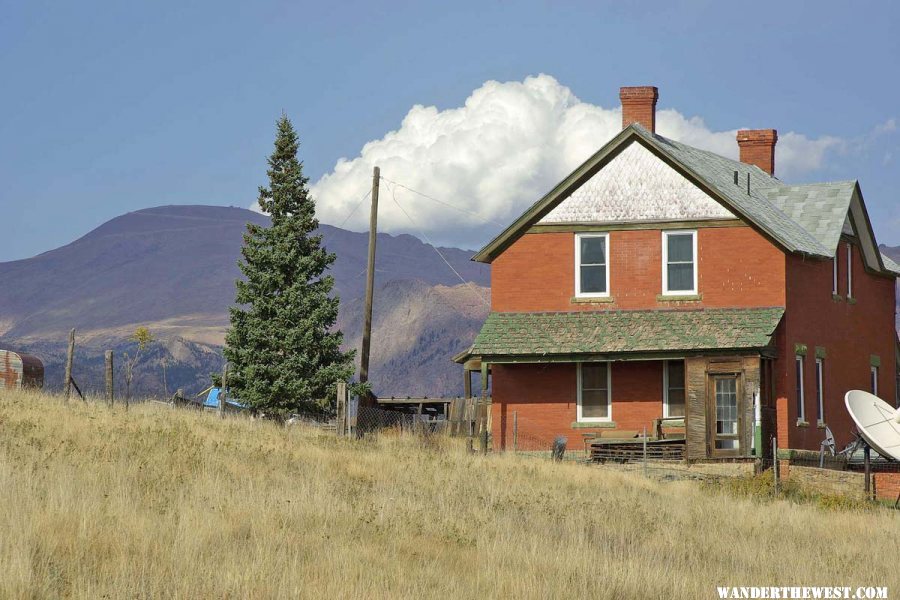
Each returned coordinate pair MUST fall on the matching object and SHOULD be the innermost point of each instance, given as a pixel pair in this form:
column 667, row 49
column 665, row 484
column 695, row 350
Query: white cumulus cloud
column 497, row 154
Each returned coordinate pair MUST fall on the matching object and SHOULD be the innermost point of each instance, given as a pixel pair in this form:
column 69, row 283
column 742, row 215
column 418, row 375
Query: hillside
column 161, row 503
column 173, row 268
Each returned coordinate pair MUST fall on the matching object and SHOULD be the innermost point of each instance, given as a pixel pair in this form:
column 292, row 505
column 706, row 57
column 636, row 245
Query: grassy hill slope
column 169, row 503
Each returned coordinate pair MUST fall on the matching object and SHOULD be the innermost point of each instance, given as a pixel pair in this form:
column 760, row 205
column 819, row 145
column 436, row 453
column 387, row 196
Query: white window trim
column 834, row 284
column 801, row 401
column 578, row 292
column 820, row 390
column 849, row 270
column 608, row 417
column 665, row 262
column 873, row 370
column 666, row 389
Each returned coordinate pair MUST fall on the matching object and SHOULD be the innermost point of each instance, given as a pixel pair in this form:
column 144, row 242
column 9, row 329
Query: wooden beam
column 370, row 281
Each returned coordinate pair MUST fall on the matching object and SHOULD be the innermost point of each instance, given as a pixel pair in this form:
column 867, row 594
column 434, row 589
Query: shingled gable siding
column 849, row 332
column 737, row 268
column 544, row 396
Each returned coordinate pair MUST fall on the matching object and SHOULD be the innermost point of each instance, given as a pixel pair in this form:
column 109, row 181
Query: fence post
column 341, row 405
column 222, row 392
column 515, row 431
column 775, row 469
column 109, row 378
column 70, row 357
column 867, row 458
column 645, row 451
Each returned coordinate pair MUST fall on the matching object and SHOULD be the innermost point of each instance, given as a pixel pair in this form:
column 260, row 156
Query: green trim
column 684, row 298
column 589, row 300
column 874, row 360
column 527, row 359
column 837, row 297
column 820, row 352
column 580, row 227
column 851, row 300
column 800, row 349
column 594, row 425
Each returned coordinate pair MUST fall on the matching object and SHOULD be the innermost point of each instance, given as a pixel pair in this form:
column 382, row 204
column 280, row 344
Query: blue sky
column 112, row 107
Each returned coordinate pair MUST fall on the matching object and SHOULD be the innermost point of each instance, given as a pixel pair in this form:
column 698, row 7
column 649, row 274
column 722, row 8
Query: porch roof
column 599, row 332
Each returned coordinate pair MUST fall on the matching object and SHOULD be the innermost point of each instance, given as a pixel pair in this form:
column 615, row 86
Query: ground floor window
column 673, row 388
column 801, row 413
column 875, row 380
column 820, row 396
column 594, row 392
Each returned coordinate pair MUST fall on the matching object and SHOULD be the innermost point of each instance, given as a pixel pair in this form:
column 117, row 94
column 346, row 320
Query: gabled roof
column 806, row 219
column 601, row 332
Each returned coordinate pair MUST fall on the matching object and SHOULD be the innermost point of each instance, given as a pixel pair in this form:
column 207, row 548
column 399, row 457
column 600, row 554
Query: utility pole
column 370, row 281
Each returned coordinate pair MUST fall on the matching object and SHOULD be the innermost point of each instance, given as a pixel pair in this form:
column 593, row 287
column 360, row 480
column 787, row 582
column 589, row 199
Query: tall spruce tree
column 282, row 350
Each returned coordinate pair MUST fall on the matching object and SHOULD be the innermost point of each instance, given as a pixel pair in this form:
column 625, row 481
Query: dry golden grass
column 164, row 503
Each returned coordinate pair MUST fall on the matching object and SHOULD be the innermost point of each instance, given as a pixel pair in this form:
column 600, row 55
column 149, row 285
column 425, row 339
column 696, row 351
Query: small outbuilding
column 19, row 371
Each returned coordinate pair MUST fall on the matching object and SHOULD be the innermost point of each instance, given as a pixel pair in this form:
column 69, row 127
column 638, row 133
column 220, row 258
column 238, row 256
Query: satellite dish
column 877, row 421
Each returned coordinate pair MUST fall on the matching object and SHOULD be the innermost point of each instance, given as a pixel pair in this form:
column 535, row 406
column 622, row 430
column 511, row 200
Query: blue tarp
column 212, row 400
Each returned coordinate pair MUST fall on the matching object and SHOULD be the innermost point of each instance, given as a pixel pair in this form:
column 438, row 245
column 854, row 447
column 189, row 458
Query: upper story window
column 591, row 265
column 834, row 278
column 679, row 263
column 849, row 271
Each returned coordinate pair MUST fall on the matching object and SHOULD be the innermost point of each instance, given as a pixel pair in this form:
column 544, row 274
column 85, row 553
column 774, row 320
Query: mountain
column 172, row 269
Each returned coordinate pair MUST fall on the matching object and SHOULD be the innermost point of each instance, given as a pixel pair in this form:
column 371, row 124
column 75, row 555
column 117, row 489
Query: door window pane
column 726, row 406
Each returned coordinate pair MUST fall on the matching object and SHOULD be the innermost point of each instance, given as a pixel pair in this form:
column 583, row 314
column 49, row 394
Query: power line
column 447, row 204
column 355, row 208
column 425, row 237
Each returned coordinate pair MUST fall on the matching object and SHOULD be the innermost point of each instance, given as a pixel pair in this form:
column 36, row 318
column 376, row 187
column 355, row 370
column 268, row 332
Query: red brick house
column 660, row 280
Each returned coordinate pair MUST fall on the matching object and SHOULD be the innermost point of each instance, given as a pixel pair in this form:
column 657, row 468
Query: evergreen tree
column 281, row 348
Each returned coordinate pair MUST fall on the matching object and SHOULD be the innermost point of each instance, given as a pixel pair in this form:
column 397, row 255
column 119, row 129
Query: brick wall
column 544, row 396
column 848, row 331
column 737, row 268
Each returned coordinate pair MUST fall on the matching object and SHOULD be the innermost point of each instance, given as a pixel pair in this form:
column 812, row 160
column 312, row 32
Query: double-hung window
column 820, row 394
column 594, row 392
column 874, row 377
column 801, row 411
column 679, row 251
column 834, row 278
column 591, row 265
column 673, row 388
column 849, row 271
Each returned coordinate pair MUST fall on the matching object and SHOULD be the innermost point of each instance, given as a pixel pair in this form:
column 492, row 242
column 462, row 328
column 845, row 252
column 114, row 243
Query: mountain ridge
column 172, row 268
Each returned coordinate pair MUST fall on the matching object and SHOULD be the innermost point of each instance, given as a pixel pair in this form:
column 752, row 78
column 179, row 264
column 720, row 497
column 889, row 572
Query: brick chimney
column 639, row 106
column 758, row 148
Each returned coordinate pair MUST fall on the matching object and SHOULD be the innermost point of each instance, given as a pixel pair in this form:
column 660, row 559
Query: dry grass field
column 158, row 503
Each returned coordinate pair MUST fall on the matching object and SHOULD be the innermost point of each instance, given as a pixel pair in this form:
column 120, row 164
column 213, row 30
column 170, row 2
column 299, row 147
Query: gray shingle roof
column 801, row 218
column 889, row 264
column 820, row 208
column 615, row 331
column 758, row 205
